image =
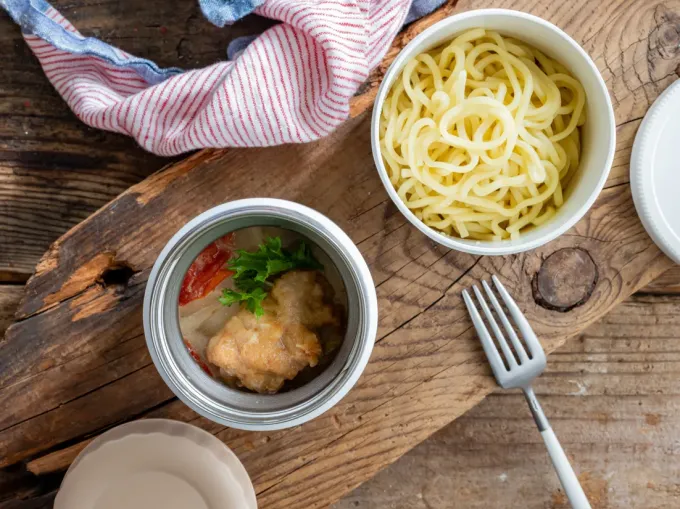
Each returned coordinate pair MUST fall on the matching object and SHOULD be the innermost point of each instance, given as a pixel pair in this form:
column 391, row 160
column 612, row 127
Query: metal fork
column 518, row 369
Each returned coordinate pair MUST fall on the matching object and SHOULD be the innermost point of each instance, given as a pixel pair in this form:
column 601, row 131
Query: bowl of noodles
column 493, row 132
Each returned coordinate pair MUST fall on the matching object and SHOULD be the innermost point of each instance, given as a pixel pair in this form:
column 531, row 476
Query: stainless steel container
column 210, row 397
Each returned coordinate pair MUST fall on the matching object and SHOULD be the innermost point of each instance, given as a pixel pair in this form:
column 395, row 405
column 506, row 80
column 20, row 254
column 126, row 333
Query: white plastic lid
column 655, row 172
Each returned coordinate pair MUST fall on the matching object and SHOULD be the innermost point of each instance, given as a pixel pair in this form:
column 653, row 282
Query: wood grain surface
column 66, row 374
column 612, row 397
column 668, row 282
column 610, row 394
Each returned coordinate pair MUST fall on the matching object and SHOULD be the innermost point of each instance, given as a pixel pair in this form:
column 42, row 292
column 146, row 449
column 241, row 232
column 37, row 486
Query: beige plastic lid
column 156, row 463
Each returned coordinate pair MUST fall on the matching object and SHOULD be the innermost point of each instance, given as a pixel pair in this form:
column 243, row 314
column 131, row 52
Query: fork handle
column 572, row 488
column 568, row 478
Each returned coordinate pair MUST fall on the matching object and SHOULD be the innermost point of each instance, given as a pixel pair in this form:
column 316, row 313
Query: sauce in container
column 203, row 317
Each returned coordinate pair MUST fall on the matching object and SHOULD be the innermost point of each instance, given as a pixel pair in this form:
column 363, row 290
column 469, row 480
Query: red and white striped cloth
column 293, row 84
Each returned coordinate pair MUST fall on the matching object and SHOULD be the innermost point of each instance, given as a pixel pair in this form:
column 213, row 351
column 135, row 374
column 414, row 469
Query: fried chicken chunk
column 302, row 296
column 262, row 353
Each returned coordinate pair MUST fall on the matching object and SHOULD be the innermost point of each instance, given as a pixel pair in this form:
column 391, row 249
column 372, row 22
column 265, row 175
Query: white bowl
column 598, row 133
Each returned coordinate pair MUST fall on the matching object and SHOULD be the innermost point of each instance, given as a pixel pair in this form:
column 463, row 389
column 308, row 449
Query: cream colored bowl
column 156, row 463
column 598, row 133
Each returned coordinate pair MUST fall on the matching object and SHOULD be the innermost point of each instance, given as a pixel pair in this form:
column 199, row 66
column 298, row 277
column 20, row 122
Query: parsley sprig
column 253, row 271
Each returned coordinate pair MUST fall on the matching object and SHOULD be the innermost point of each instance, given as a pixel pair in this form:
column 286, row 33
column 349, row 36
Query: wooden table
column 612, row 397
column 634, row 45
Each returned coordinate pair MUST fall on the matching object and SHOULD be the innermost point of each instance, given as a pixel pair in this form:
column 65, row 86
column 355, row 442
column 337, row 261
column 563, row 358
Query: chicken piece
column 303, row 296
column 262, row 353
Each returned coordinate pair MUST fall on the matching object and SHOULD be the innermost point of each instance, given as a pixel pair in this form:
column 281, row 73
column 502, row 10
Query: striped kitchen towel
column 293, row 83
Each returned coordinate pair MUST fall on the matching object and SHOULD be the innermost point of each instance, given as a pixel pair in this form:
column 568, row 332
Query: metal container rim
column 160, row 333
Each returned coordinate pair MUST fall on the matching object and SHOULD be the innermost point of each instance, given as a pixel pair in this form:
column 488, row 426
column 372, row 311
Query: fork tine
column 507, row 353
column 516, row 343
column 497, row 365
column 522, row 324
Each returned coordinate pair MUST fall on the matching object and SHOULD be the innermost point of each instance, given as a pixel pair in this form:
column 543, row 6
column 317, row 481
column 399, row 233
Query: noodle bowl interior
column 481, row 136
column 262, row 309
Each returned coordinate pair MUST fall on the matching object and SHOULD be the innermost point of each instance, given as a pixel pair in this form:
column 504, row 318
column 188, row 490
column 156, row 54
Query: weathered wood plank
column 10, row 295
column 610, row 394
column 667, row 283
column 40, row 502
column 600, row 390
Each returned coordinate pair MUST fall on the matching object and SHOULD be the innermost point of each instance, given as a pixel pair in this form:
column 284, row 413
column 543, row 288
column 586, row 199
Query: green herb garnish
column 253, row 271
column 253, row 299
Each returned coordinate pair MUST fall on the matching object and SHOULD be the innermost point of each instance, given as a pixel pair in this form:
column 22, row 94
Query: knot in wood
column 565, row 280
column 665, row 37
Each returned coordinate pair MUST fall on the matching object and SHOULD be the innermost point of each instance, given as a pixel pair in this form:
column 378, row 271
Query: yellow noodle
column 481, row 136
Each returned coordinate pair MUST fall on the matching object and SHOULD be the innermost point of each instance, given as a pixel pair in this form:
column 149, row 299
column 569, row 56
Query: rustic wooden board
column 667, row 283
column 68, row 373
column 610, row 394
column 10, row 295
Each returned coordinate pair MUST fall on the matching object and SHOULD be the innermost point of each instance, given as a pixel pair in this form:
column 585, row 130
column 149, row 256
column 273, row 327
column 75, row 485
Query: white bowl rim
column 485, row 247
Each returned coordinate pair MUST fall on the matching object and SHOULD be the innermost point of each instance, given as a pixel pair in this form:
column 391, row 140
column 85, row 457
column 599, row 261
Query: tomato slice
column 208, row 270
column 197, row 358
